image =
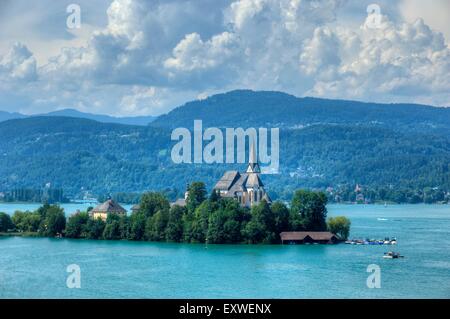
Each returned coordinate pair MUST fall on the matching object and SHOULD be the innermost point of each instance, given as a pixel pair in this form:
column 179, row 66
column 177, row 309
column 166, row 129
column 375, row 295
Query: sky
column 137, row 57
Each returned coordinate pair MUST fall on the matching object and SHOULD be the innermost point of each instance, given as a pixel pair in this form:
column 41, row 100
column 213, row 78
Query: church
column 247, row 188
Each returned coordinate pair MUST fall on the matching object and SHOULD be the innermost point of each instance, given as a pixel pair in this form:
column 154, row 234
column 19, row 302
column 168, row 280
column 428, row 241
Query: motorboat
column 392, row 255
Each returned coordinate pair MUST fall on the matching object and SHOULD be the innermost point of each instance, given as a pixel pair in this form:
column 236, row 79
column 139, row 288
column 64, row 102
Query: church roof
column 239, row 185
column 110, row 206
column 227, row 180
column 253, row 180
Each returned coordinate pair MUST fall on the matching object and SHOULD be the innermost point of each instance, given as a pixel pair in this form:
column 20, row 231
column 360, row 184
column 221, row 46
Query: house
column 181, row 201
column 247, row 188
column 109, row 207
column 308, row 237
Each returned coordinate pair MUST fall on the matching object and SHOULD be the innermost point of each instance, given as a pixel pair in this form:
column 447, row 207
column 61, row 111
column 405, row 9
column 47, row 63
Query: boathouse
column 109, row 207
column 308, row 237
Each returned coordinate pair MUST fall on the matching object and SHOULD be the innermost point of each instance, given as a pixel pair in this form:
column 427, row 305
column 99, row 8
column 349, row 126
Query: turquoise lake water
column 36, row 267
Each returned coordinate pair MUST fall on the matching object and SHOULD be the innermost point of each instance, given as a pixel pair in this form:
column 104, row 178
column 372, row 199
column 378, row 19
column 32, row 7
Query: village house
column 109, row 207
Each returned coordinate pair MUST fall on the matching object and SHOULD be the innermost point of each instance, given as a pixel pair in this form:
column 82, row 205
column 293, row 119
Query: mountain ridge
column 330, row 150
column 129, row 120
column 289, row 111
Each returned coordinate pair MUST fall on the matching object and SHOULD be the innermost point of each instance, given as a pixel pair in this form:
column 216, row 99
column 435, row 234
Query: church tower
column 253, row 166
column 253, row 184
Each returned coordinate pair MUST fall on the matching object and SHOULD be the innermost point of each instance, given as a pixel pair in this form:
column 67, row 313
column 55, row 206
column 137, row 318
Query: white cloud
column 434, row 13
column 194, row 54
column 320, row 53
column 18, row 65
column 392, row 63
column 153, row 55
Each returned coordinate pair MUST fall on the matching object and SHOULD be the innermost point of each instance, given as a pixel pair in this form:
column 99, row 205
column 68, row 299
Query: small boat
column 392, row 255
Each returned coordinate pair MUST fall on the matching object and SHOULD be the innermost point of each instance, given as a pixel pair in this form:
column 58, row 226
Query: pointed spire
column 253, row 166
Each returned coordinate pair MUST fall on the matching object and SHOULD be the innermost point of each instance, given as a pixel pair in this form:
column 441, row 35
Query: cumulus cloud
column 392, row 62
column 18, row 65
column 152, row 55
column 320, row 53
column 194, row 54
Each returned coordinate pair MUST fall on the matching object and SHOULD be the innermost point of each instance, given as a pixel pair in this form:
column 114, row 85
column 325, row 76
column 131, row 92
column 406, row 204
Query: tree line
column 44, row 195
column 204, row 219
column 427, row 195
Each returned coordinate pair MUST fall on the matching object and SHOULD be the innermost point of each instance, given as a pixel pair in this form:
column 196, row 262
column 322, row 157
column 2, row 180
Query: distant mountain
column 247, row 108
column 136, row 120
column 132, row 120
column 4, row 116
column 105, row 158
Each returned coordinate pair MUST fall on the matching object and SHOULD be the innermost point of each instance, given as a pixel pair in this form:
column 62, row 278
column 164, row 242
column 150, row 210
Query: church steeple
column 253, row 166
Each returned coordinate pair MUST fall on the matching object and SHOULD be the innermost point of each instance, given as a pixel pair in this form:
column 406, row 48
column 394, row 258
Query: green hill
column 276, row 109
column 331, row 143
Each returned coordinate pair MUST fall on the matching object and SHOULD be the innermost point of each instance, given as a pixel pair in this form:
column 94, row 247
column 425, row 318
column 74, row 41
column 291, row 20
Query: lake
column 36, row 267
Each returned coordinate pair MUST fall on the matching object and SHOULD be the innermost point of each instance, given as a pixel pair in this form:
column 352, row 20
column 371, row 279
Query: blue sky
column 136, row 57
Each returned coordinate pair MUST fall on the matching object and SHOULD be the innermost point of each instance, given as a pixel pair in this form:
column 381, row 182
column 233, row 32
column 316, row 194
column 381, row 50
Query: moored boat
column 392, row 255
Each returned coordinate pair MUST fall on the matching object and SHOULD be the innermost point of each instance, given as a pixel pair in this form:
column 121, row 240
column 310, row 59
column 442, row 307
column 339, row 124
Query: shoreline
column 37, row 235
column 330, row 203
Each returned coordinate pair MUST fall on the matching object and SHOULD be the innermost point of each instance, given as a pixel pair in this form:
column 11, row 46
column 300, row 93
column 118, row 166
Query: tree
column 77, row 225
column 152, row 202
column 340, row 226
column 112, row 227
column 309, row 209
column 254, row 232
column 155, row 227
column 137, row 226
column 199, row 225
column 224, row 224
column 281, row 218
column 26, row 221
column 95, row 228
column 54, row 222
column 124, row 227
column 5, row 222
column 215, row 196
column 196, row 196
column 174, row 229
column 261, row 227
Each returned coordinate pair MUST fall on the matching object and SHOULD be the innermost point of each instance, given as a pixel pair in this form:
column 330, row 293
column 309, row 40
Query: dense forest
column 212, row 220
column 397, row 153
